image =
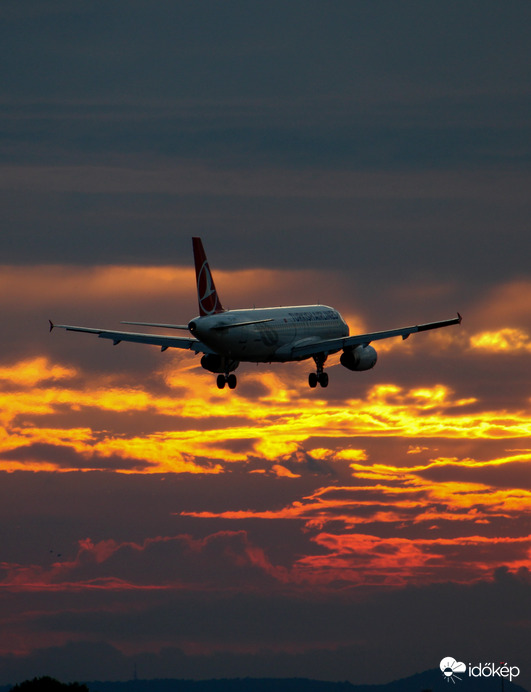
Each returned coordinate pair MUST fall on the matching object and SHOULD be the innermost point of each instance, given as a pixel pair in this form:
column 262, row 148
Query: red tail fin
column 209, row 303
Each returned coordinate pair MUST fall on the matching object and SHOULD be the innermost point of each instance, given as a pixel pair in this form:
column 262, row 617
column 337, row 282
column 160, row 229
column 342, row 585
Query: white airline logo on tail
column 208, row 298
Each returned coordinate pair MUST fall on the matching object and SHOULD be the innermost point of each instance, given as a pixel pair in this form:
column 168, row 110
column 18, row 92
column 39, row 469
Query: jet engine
column 215, row 363
column 359, row 358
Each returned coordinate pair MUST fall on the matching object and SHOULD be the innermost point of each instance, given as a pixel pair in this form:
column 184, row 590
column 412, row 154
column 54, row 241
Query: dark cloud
column 508, row 475
column 135, row 98
column 132, row 508
column 66, row 457
column 274, row 51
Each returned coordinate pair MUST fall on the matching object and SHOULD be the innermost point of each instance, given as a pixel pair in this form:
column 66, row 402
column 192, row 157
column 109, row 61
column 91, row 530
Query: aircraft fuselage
column 264, row 335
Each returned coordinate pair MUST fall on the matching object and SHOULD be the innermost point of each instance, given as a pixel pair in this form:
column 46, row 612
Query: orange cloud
column 33, row 371
column 362, row 558
column 273, row 424
column 283, row 472
column 506, row 304
column 60, row 287
column 509, row 340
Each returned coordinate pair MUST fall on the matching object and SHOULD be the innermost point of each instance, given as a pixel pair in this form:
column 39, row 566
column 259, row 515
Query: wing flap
column 157, row 324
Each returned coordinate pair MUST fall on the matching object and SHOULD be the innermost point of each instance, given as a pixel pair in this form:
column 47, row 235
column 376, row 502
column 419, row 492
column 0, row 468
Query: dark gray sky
column 343, row 134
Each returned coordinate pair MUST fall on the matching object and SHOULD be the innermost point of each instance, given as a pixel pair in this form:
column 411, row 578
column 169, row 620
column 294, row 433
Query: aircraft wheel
column 312, row 379
column 221, row 381
column 232, row 381
column 323, row 379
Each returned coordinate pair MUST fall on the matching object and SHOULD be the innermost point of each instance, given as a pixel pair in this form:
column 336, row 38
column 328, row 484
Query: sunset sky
column 372, row 156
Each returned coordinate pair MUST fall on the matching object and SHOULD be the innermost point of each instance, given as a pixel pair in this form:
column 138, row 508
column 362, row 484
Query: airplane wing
column 345, row 342
column 154, row 339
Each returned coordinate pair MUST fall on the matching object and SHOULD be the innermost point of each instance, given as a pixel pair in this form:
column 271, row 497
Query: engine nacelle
column 214, row 363
column 359, row 358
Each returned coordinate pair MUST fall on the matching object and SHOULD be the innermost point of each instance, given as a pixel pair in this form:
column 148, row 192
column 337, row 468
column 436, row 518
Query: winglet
column 207, row 296
column 52, row 325
column 460, row 318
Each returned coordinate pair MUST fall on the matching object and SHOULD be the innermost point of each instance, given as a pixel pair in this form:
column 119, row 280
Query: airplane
column 261, row 335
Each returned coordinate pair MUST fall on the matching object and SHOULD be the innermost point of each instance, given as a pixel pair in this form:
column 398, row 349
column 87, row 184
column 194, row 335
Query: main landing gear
column 230, row 380
column 314, row 378
column 320, row 376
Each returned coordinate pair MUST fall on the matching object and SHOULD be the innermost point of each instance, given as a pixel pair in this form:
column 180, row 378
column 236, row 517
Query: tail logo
column 206, row 292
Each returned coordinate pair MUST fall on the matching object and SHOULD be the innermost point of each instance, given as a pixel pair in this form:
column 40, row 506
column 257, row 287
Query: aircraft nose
column 192, row 326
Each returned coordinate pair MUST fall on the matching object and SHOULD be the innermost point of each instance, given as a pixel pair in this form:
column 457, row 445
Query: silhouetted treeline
column 47, row 684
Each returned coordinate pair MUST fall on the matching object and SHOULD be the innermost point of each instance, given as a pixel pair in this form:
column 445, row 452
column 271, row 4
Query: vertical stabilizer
column 207, row 296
